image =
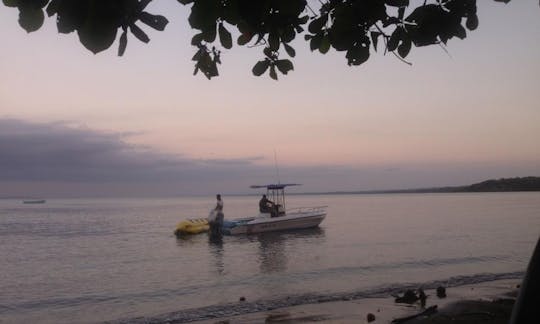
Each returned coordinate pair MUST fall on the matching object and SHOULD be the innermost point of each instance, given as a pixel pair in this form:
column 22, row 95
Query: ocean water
column 95, row 260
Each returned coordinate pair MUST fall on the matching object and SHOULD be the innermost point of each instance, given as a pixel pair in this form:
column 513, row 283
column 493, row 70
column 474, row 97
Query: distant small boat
column 40, row 201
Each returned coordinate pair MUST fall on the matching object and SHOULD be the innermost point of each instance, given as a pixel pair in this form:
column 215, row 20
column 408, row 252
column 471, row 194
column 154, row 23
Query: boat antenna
column 275, row 164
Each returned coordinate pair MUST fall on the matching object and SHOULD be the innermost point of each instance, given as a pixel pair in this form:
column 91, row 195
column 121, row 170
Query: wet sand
column 487, row 302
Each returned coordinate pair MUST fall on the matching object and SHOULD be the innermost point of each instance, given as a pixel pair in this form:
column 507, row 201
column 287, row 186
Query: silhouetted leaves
column 261, row 67
column 374, row 39
column 317, row 24
column 472, row 22
column 273, row 73
column 245, row 38
column 284, row 66
column 395, row 38
column 357, row 55
column 155, row 21
column 123, row 43
column 397, row 3
column 405, row 47
column 207, row 61
column 11, row 3
column 31, row 19
column 225, row 37
column 289, row 50
column 349, row 26
column 139, row 33
column 273, row 41
column 325, row 44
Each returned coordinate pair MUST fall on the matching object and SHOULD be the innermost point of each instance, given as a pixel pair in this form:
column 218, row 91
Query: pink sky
column 478, row 106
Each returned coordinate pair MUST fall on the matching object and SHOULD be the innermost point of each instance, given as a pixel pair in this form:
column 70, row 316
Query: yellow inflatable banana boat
column 192, row 226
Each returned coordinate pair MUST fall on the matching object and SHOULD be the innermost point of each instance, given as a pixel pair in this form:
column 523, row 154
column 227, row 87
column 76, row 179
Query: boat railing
column 311, row 209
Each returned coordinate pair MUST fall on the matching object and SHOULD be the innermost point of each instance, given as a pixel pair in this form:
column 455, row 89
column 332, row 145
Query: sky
column 77, row 124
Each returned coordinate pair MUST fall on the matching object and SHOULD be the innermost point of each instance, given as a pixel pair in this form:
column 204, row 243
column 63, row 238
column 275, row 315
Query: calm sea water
column 92, row 260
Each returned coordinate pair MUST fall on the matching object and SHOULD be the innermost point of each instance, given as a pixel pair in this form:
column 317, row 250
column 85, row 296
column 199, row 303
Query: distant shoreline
column 524, row 184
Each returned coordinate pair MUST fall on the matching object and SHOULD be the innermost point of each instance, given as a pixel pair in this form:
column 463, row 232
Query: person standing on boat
column 267, row 206
column 215, row 220
column 219, row 204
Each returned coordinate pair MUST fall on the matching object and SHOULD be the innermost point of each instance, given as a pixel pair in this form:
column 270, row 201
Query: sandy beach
column 487, row 302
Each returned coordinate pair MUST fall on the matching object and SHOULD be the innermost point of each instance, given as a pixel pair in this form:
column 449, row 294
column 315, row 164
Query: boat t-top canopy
column 275, row 186
column 276, row 192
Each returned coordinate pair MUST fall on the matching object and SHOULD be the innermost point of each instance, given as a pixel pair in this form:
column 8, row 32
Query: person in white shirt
column 219, row 205
column 216, row 217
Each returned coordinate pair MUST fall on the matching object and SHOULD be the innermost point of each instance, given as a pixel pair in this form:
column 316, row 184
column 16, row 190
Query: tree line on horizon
column 494, row 185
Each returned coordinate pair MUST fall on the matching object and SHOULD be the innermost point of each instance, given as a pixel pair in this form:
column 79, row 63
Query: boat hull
column 282, row 223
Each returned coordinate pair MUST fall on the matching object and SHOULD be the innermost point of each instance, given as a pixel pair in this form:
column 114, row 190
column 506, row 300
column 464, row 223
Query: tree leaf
column 357, row 55
column 374, row 39
column 288, row 34
column 472, row 22
column 155, row 21
column 197, row 39
column 268, row 52
column 139, row 33
column 98, row 35
column 142, row 4
column 401, row 13
column 393, row 42
column 31, row 19
column 397, row 3
column 225, row 37
column 315, row 42
column 260, row 67
column 123, row 43
column 11, row 3
column 325, row 45
column 289, row 49
column 52, row 8
column 244, row 38
column 316, row 25
column 209, row 35
column 273, row 41
column 198, row 55
column 460, row 32
column 284, row 66
column 405, row 47
column 273, row 73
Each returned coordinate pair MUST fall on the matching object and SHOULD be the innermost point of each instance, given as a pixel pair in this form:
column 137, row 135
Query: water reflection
column 185, row 240
column 272, row 247
column 215, row 243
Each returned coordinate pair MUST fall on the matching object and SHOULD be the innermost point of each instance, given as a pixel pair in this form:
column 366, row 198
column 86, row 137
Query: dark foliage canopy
column 355, row 27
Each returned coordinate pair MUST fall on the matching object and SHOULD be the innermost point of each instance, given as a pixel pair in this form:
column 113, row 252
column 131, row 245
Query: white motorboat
column 281, row 219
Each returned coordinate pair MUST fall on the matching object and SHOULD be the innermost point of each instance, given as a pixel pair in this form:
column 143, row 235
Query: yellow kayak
column 192, row 226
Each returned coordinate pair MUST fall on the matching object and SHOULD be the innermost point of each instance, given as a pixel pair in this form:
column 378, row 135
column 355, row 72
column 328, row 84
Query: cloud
column 59, row 152
column 57, row 159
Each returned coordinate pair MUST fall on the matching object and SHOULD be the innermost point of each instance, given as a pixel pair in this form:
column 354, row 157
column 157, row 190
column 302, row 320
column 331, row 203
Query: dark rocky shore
column 463, row 302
